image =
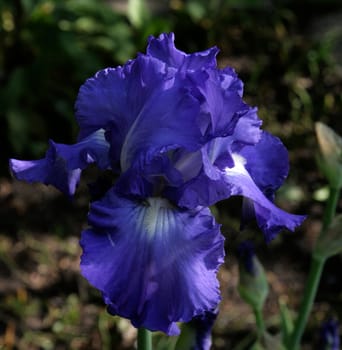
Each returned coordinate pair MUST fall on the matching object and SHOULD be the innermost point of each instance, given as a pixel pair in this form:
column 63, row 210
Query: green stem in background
column 144, row 339
column 317, row 264
column 330, row 208
column 307, row 302
column 259, row 321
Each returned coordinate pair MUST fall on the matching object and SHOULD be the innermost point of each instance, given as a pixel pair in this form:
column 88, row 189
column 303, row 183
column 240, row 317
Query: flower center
column 157, row 216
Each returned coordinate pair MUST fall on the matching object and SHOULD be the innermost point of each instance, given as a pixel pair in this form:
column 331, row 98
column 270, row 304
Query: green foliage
column 329, row 160
column 253, row 287
column 286, row 322
column 48, row 49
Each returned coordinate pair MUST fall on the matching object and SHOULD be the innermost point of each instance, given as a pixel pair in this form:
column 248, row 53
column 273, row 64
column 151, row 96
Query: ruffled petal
column 101, row 101
column 114, row 97
column 270, row 218
column 164, row 49
column 219, row 113
column 247, row 131
column 222, row 106
column 230, row 80
column 222, row 91
column 154, row 263
column 62, row 164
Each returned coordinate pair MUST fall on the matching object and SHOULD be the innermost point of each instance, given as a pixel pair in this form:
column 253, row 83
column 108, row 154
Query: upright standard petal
column 143, row 107
column 221, row 106
column 62, row 164
column 221, row 91
column 101, row 100
column 154, row 263
column 163, row 48
column 114, row 98
column 167, row 121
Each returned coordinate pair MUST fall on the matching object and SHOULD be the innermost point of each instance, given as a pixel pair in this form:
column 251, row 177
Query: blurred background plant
column 289, row 55
column 48, row 49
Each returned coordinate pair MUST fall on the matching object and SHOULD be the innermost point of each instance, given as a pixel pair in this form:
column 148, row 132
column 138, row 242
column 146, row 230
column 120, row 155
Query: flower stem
column 330, row 208
column 317, row 264
column 144, row 339
column 259, row 321
column 307, row 302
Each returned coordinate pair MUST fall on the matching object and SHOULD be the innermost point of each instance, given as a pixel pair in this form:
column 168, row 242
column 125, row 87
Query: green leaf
column 268, row 342
column 286, row 322
column 330, row 158
column 186, row 340
column 253, row 288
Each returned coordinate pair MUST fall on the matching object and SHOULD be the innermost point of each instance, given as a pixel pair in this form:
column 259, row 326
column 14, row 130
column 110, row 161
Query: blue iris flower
column 175, row 130
column 330, row 335
column 202, row 326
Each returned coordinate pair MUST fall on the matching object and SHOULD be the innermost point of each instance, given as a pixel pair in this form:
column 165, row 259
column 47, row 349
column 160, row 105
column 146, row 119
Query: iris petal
column 230, row 81
column 203, row 325
column 247, row 131
column 210, row 186
column 268, row 166
column 267, row 162
column 62, row 164
column 221, row 107
column 155, row 264
column 142, row 106
column 114, row 97
column 200, row 191
column 100, row 100
column 217, row 182
column 167, row 121
column 164, row 49
column 270, row 218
